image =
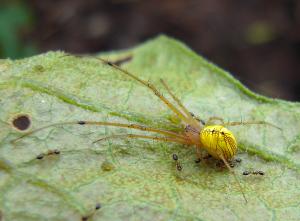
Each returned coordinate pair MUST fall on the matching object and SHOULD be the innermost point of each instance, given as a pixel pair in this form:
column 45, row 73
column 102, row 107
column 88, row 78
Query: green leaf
column 137, row 179
column 15, row 18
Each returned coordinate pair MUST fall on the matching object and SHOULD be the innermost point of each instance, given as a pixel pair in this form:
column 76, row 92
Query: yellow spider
column 217, row 140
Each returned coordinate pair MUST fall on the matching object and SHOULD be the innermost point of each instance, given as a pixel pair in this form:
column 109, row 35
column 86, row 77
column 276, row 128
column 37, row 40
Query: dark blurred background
column 258, row 41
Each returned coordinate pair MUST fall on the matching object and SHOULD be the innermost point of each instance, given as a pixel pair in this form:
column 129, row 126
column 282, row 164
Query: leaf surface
column 136, row 179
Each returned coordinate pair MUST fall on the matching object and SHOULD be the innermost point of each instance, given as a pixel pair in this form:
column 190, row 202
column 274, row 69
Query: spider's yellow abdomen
column 218, row 140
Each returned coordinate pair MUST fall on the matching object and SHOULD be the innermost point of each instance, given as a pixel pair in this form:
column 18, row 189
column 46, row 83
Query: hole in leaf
column 21, row 122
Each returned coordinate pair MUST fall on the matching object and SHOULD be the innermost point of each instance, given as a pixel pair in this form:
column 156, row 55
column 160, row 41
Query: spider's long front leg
column 184, row 109
column 249, row 123
column 182, row 116
column 156, row 138
column 198, row 154
column 211, row 120
column 100, row 123
column 235, row 176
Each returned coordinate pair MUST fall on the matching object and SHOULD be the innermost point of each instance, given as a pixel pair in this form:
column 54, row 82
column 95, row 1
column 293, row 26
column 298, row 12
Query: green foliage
column 137, row 179
column 14, row 18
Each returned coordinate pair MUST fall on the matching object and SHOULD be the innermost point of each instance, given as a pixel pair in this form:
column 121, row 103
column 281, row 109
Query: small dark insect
column 87, row 217
column 84, row 218
column 175, row 157
column 255, row 172
column 56, row 151
column 178, row 165
column 246, row 173
column 50, row 152
column 238, row 160
column 261, row 173
column 207, row 157
column 98, row 206
column 231, row 163
column 40, row 156
column 220, row 164
column 198, row 160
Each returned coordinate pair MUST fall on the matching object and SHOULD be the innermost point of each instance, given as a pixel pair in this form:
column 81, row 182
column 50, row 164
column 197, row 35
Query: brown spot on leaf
column 21, row 122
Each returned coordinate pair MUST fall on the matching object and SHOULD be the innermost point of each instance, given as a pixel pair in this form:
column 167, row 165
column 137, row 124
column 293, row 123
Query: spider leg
column 198, row 154
column 212, row 119
column 151, row 87
column 156, row 138
column 185, row 110
column 249, row 123
column 100, row 123
column 235, row 176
